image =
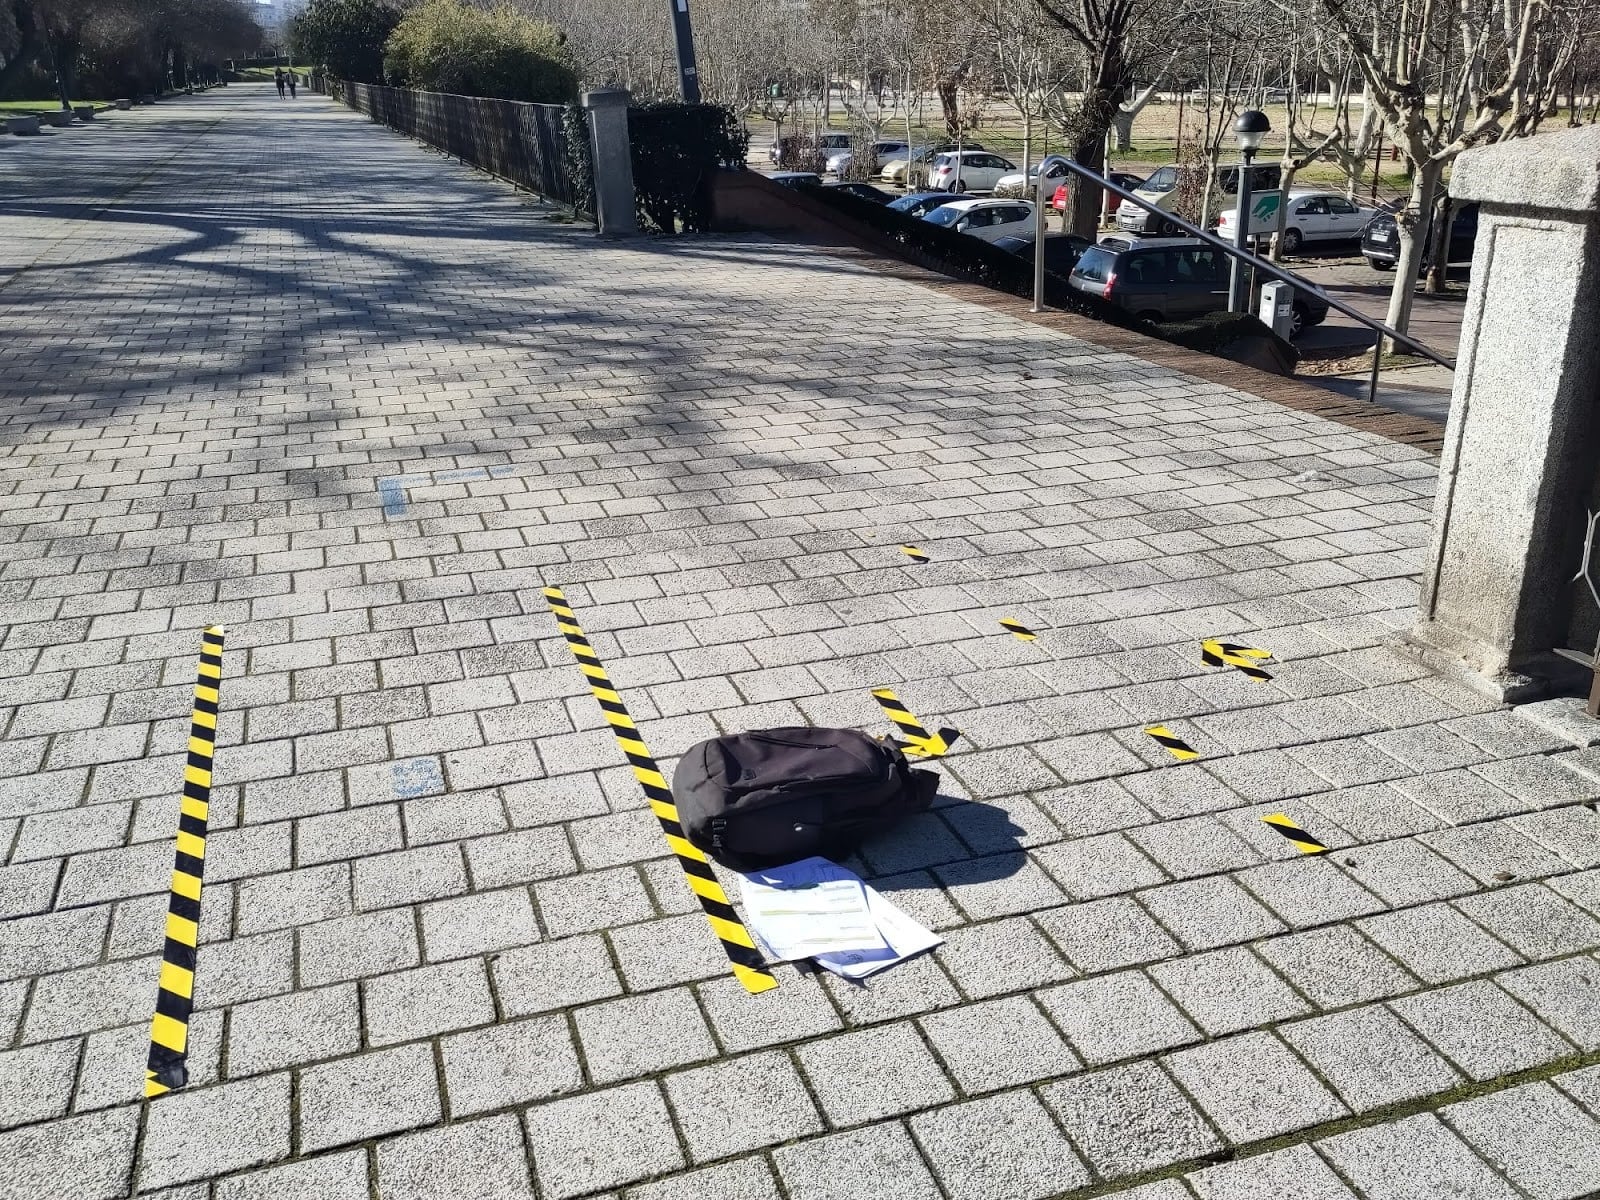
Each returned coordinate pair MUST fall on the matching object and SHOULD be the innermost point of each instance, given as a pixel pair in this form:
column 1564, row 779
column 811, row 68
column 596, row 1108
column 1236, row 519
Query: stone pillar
column 1523, row 439
column 613, row 162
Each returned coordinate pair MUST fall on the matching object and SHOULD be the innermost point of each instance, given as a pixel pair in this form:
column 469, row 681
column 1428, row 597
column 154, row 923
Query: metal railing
column 1259, row 264
column 525, row 143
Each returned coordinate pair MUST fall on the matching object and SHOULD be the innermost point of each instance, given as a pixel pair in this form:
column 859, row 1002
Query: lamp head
column 1251, row 129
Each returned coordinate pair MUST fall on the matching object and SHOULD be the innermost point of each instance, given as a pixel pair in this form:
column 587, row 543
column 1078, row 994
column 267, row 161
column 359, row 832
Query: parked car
column 1121, row 178
column 968, row 171
column 796, row 179
column 1051, row 166
column 864, row 190
column 919, row 159
column 987, row 219
column 1380, row 240
column 827, row 144
column 1313, row 217
column 1161, row 190
column 841, row 162
column 1061, row 250
column 919, row 204
column 1172, row 279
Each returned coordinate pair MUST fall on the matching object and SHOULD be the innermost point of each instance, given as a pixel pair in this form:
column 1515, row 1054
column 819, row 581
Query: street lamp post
column 683, row 36
column 1251, row 127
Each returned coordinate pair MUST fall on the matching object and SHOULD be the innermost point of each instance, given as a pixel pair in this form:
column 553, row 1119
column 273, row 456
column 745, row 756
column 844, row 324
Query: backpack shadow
column 956, row 842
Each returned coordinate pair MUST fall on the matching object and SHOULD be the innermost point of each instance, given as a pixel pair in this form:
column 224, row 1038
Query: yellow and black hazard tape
column 1176, row 746
column 1298, row 837
column 746, row 961
column 167, row 1066
column 1017, row 629
column 914, row 554
column 918, row 741
column 1214, row 653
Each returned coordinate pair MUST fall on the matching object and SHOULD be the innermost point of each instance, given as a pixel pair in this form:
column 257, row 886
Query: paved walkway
column 291, row 373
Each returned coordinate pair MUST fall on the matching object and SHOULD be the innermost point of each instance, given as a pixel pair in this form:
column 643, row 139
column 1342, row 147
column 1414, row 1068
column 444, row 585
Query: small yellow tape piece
column 1017, row 629
column 1217, row 653
column 914, row 554
column 186, row 885
column 194, row 847
column 152, row 1089
column 1176, row 746
column 182, row 930
column 1298, row 837
column 919, row 742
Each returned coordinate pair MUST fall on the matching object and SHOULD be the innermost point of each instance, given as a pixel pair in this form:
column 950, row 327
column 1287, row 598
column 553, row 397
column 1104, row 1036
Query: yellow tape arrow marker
column 1298, row 837
column 1017, row 629
column 744, row 959
column 919, row 741
column 1214, row 653
column 1176, row 746
column 917, row 556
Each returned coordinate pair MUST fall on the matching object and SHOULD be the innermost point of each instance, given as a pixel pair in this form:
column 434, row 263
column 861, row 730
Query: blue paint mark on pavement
column 415, row 777
column 393, row 496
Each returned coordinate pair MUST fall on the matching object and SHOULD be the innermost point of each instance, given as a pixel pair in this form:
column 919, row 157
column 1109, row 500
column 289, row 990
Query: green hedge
column 677, row 150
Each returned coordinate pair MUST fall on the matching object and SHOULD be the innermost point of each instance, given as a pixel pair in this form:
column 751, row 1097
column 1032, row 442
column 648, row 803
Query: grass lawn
column 25, row 107
column 264, row 74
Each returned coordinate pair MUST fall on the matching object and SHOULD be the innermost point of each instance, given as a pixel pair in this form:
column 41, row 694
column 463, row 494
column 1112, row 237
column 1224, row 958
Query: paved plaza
column 267, row 365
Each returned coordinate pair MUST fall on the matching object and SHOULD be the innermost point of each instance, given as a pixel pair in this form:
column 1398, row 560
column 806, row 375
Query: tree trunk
column 1439, row 248
column 1408, row 221
column 1027, row 146
column 1290, row 168
column 950, row 101
column 64, row 58
column 1087, row 200
column 1122, row 128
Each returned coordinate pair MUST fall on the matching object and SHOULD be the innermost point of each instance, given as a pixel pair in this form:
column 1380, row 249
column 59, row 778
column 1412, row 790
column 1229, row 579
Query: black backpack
column 773, row 796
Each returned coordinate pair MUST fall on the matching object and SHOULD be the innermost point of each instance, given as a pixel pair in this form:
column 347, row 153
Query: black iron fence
column 525, row 143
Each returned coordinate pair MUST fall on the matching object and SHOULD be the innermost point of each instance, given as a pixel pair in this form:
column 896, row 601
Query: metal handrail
column 1261, row 264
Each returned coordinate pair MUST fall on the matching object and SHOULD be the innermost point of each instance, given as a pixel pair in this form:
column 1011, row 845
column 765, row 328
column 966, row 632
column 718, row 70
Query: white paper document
column 816, row 909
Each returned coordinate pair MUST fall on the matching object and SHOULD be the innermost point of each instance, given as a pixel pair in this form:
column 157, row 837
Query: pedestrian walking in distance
column 294, row 81
column 277, row 77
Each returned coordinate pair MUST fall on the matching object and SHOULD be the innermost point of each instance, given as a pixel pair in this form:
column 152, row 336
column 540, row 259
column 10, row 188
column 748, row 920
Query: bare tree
column 1444, row 75
column 1033, row 62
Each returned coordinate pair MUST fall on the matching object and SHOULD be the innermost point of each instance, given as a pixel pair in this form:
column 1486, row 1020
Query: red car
column 1120, row 178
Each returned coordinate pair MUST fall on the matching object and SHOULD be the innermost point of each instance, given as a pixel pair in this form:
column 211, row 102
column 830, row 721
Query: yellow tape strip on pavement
column 1017, row 629
column 914, row 554
column 746, row 961
column 166, row 1067
column 918, row 741
column 1298, row 837
column 1214, row 653
column 1176, row 746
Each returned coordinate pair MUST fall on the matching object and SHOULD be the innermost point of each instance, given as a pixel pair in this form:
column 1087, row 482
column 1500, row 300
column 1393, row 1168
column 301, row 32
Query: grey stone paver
column 1543, row 1142
column 1417, row 1158
column 1130, row 1119
column 434, row 893
column 880, row 1160
column 584, row 1143
column 1002, row 1147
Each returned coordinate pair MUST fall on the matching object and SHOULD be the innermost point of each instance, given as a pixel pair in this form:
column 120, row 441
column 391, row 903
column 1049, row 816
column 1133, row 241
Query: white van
column 1161, row 190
